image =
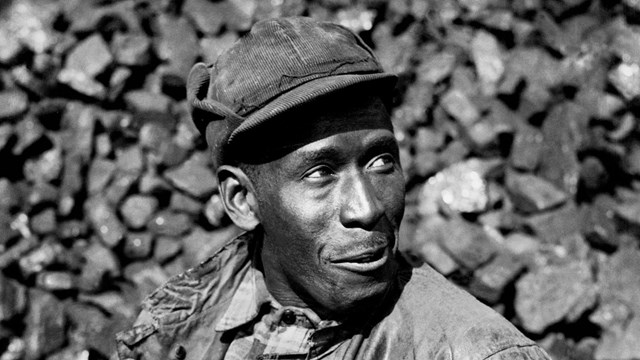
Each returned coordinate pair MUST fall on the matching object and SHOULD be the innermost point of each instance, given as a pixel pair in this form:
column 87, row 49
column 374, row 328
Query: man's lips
column 364, row 261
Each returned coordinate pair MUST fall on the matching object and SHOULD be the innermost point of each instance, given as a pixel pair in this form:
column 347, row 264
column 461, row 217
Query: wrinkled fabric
column 429, row 318
column 263, row 331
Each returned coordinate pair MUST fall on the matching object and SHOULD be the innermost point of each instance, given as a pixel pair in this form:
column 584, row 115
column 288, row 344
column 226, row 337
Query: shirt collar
column 249, row 299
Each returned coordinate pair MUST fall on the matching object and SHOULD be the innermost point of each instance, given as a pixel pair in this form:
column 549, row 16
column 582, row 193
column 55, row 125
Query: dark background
column 518, row 134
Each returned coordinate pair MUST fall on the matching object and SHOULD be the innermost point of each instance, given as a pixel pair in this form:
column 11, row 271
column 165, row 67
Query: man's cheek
column 391, row 194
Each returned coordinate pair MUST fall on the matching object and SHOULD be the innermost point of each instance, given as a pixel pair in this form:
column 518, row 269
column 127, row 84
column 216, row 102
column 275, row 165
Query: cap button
column 179, row 353
column 288, row 317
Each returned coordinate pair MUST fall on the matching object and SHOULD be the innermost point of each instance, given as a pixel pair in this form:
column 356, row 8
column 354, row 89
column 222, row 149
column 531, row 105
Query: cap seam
column 245, row 108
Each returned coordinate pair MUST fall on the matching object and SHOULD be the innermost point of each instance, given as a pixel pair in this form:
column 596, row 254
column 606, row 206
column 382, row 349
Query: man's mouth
column 363, row 262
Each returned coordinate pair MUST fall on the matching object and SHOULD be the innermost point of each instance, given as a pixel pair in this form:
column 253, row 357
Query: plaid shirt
column 267, row 330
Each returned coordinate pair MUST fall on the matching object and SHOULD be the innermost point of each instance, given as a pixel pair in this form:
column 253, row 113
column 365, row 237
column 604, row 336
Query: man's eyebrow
column 318, row 155
column 331, row 153
column 381, row 143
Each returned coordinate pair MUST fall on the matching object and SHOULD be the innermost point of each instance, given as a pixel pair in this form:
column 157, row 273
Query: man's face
column 331, row 210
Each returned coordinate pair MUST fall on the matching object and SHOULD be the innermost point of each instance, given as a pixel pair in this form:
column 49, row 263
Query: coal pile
column 518, row 133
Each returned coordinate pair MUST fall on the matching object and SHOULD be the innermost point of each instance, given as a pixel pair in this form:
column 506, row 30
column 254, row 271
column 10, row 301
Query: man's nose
column 360, row 204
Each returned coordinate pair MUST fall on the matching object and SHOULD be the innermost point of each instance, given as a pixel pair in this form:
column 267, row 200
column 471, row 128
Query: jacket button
column 179, row 353
column 288, row 317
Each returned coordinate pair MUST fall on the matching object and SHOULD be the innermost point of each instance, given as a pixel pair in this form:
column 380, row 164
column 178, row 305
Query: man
column 295, row 114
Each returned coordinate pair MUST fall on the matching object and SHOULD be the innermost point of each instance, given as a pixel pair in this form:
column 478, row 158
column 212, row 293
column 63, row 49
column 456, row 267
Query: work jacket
column 429, row 319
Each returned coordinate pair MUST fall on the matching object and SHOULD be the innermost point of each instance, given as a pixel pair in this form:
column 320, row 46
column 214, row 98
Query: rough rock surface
column 551, row 294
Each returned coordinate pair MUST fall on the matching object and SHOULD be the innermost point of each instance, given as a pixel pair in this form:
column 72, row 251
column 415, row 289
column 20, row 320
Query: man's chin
column 362, row 301
column 359, row 291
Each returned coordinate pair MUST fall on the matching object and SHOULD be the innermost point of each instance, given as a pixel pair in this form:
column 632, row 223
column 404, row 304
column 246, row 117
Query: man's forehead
column 326, row 120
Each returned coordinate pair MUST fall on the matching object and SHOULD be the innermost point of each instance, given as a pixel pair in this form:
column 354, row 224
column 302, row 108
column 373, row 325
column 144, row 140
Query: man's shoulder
column 194, row 289
column 442, row 317
column 183, row 301
column 426, row 290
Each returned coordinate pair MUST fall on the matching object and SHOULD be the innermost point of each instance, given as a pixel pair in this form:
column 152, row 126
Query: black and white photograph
column 319, row 179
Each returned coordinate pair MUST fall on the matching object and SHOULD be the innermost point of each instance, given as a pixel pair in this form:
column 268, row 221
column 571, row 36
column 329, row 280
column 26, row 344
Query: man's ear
column 238, row 196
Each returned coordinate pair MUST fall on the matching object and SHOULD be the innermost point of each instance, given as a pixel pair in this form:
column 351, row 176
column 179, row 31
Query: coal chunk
column 45, row 168
column 138, row 245
column 17, row 251
column 183, row 203
column 395, row 52
column 130, row 160
column 178, row 43
column 619, row 285
column 12, row 104
column 105, row 221
column 91, row 56
column 533, row 194
column 437, row 67
column 423, row 244
column 550, row 294
column 564, row 134
column 458, row 105
column 6, row 132
column 413, row 111
column 11, row 49
column 13, row 298
column 45, row 324
column 138, row 209
column 40, row 258
column 79, row 124
column 468, row 243
column 626, row 79
column 120, row 186
column 88, row 59
column 146, row 101
column 460, row 187
column 214, row 210
column 208, row 16
column 56, row 280
column 170, row 223
column 629, row 212
column 100, row 172
column 553, row 225
column 490, row 281
column 9, row 197
column 212, row 47
column 488, row 59
column 131, row 49
column 147, row 276
column 30, row 22
column 193, row 177
column 527, row 148
column 166, row 248
column 92, row 329
column 102, row 265
column 199, row 244
column 155, row 137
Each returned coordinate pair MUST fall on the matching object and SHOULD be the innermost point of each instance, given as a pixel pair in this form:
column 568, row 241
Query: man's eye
column 319, row 173
column 382, row 163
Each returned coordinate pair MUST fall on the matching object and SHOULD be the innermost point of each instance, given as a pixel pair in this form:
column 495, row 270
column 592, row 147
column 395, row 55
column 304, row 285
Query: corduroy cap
column 278, row 66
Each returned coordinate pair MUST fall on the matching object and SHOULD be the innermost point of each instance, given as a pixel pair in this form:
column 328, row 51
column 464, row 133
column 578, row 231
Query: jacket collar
column 245, row 305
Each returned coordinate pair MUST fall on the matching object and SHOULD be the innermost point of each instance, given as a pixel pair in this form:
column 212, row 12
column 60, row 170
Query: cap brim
column 378, row 83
